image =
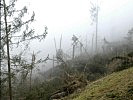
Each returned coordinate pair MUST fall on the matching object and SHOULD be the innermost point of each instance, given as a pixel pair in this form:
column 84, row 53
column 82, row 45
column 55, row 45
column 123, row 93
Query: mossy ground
column 117, row 86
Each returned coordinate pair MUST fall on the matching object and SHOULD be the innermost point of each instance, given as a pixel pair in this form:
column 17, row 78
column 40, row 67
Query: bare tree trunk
column 30, row 77
column 92, row 43
column 53, row 62
column 8, row 52
column 73, row 55
column 0, row 53
column 96, row 24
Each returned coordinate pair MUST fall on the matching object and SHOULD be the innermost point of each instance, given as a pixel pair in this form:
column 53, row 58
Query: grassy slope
column 117, row 86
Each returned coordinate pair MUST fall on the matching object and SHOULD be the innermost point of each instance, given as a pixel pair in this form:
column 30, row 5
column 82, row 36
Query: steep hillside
column 117, row 86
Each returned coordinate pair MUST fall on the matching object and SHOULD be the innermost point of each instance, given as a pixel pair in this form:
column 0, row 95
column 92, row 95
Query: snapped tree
column 94, row 16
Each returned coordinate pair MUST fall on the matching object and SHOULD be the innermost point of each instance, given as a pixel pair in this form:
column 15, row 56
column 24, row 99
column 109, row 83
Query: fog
column 57, row 49
column 68, row 17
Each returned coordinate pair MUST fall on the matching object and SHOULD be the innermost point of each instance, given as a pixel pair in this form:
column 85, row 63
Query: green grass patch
column 117, row 86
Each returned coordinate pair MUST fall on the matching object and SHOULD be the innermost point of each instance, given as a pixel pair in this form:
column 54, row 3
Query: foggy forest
column 66, row 50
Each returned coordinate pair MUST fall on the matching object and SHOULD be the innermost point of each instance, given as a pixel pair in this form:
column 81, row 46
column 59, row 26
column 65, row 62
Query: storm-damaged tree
column 0, row 52
column 24, row 68
column 129, row 40
column 33, row 64
column 16, row 32
column 94, row 16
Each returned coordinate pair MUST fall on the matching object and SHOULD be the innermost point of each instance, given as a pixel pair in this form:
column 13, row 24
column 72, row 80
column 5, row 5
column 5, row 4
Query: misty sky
column 68, row 17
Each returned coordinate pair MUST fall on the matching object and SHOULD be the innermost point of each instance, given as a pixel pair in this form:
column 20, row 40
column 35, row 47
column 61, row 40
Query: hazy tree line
column 74, row 73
